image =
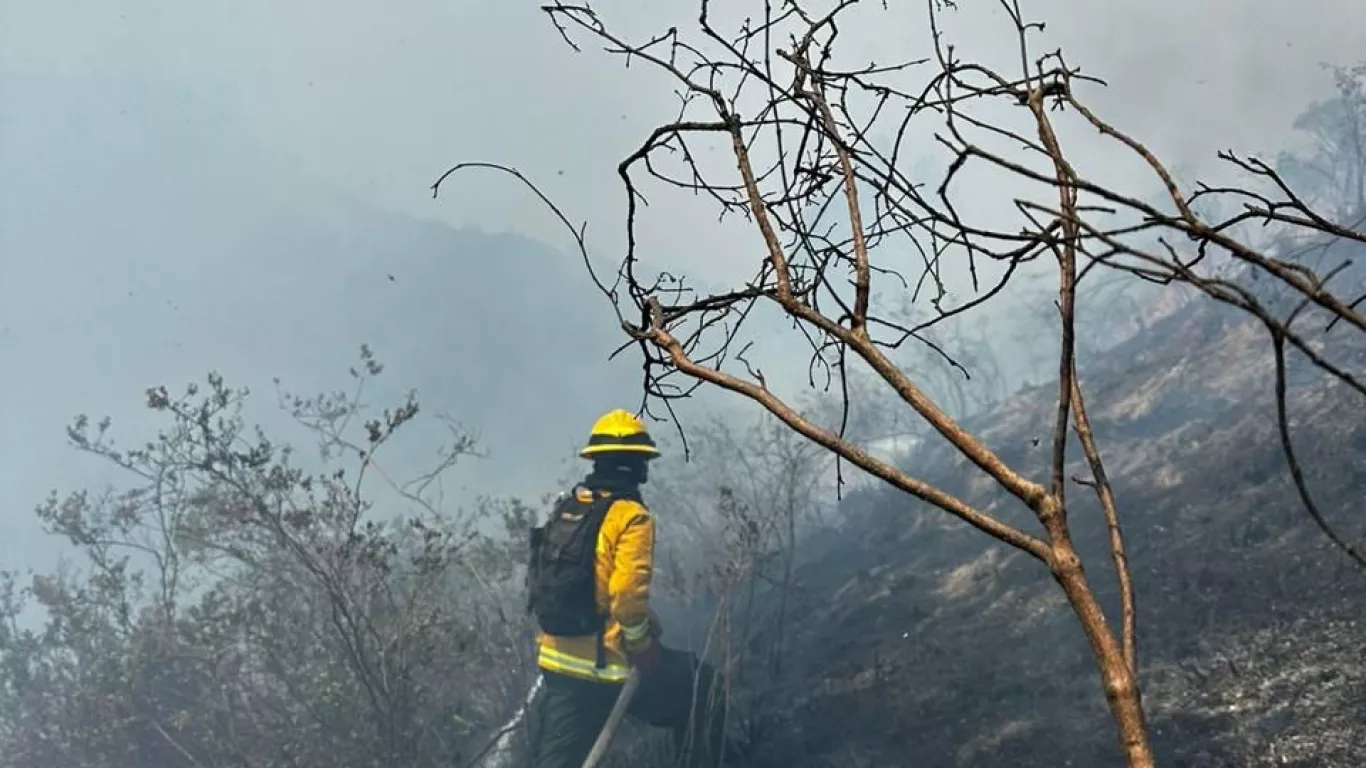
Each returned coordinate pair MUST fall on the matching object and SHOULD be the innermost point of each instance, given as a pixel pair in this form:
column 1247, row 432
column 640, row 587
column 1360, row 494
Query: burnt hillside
column 928, row 644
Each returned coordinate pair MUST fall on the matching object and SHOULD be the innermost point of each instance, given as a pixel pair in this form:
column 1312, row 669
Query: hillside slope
column 927, row 644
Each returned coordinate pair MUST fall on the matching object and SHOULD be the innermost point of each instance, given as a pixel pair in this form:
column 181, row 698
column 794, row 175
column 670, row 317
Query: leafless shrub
column 240, row 609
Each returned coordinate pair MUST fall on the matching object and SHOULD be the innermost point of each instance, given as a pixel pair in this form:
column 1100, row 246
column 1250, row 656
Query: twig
column 1288, row 449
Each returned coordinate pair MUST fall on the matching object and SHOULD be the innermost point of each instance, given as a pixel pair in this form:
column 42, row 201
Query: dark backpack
column 561, row 575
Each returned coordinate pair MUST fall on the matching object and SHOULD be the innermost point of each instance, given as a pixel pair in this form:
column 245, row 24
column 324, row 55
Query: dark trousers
column 680, row 693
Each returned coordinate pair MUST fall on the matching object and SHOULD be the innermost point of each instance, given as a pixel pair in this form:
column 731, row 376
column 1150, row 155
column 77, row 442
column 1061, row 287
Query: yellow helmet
column 619, row 432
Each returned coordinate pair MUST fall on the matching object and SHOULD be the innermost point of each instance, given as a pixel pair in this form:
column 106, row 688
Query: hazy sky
column 377, row 99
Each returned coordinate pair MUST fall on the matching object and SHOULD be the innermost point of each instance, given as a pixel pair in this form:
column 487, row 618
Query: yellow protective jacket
column 624, row 564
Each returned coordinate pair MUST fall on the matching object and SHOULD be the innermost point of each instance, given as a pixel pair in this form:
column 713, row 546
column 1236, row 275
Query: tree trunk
column 1119, row 678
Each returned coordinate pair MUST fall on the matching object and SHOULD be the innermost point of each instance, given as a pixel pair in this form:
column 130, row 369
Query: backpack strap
column 598, row 507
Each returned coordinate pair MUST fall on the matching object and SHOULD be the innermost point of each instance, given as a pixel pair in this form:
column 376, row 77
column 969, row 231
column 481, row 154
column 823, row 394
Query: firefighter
column 589, row 588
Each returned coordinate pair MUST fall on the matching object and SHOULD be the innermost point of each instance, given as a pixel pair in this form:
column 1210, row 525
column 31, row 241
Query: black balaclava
column 619, row 472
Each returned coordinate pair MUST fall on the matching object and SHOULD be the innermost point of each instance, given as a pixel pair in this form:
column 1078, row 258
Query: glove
column 646, row 658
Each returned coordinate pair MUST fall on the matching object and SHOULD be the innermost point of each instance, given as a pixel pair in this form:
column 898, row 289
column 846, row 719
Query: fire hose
column 609, row 728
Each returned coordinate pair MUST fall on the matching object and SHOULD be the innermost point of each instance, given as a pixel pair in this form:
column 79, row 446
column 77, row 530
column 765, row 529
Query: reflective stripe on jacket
column 624, row 566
